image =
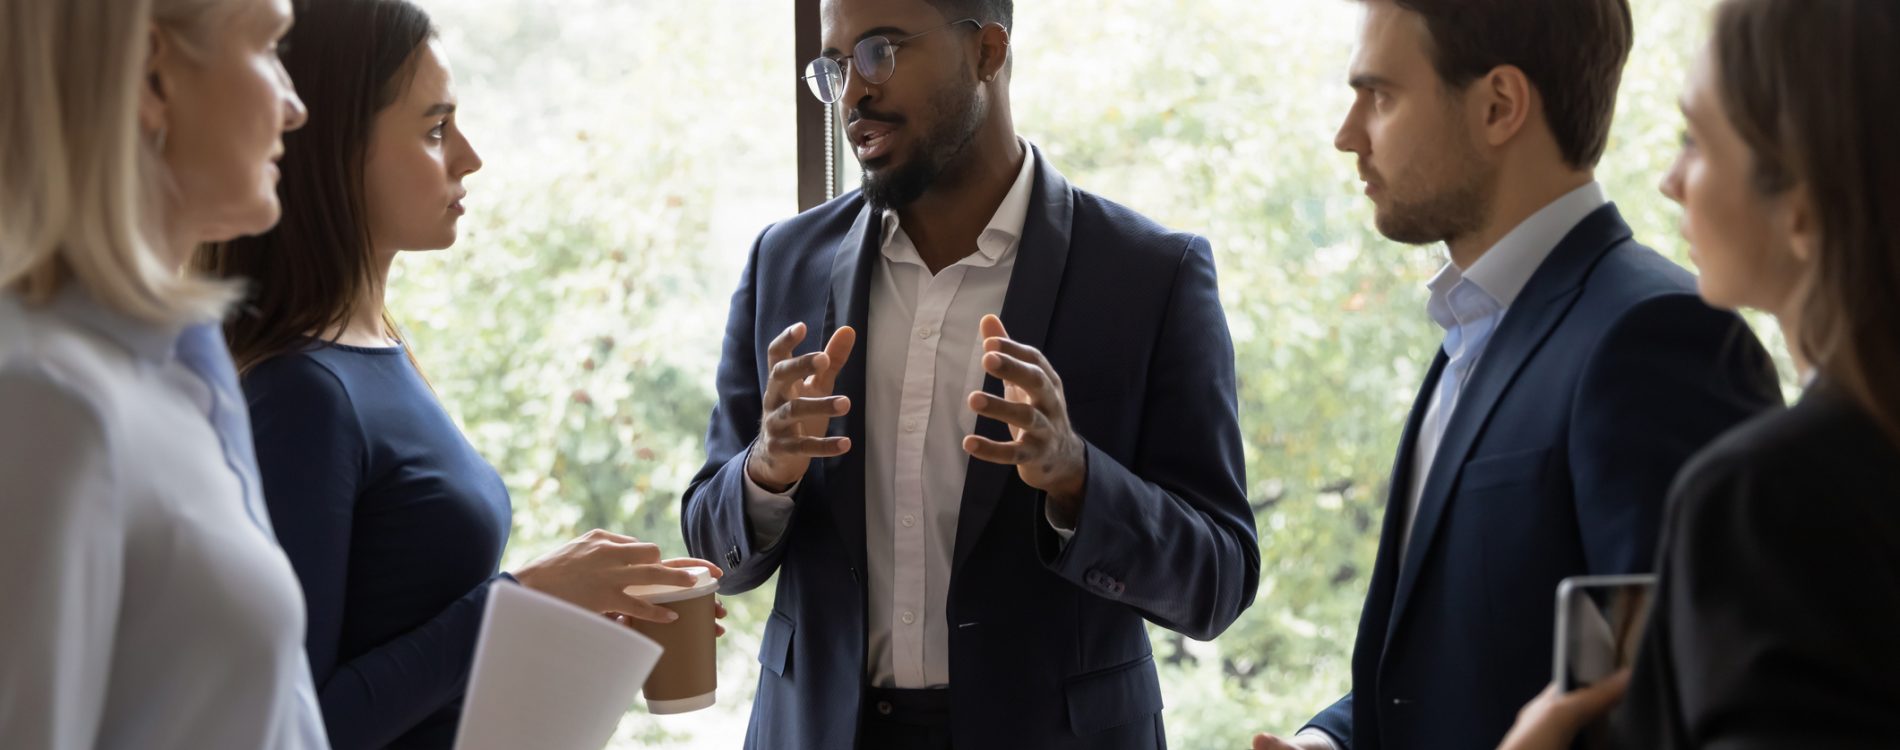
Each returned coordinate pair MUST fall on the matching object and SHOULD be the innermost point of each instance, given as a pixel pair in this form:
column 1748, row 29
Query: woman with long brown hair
column 1776, row 611
column 394, row 523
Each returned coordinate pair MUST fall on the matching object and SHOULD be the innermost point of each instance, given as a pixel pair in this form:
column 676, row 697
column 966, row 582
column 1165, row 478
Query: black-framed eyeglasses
column 875, row 58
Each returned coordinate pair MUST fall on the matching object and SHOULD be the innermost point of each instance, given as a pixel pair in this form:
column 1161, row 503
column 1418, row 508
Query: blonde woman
column 148, row 604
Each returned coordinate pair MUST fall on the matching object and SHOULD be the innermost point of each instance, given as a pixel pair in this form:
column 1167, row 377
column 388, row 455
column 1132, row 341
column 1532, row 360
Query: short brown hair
column 1573, row 51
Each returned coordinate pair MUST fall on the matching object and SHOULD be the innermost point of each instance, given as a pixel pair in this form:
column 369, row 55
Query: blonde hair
column 81, row 187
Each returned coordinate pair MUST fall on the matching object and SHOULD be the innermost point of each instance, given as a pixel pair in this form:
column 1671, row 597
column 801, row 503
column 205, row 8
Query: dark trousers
column 895, row 719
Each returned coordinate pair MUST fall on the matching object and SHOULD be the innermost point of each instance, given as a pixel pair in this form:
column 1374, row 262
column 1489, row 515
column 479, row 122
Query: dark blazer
column 1049, row 648
column 1779, row 601
column 1605, row 375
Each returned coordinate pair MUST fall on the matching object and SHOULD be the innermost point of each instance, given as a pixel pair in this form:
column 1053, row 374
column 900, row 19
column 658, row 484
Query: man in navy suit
column 1017, row 447
column 1579, row 369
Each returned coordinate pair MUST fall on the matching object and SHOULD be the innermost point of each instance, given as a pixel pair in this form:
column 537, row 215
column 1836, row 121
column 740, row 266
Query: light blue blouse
column 149, row 605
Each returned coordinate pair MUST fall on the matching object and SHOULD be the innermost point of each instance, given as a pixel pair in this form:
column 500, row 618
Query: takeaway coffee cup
column 686, row 677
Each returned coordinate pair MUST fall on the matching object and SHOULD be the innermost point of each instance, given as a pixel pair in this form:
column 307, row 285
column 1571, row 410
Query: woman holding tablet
column 1780, row 566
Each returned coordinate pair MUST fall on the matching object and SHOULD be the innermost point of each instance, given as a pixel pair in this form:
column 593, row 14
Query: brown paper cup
column 687, row 677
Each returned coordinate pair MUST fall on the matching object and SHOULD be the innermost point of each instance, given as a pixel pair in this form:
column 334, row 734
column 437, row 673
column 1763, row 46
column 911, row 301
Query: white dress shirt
column 922, row 362
column 1469, row 304
column 149, row 605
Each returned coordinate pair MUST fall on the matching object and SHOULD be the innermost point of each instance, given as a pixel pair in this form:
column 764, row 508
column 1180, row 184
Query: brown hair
column 1573, row 51
column 350, row 60
column 1809, row 84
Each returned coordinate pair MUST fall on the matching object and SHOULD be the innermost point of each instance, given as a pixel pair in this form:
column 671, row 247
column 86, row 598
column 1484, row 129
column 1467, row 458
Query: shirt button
column 909, row 618
column 910, row 425
column 909, row 520
column 923, row 333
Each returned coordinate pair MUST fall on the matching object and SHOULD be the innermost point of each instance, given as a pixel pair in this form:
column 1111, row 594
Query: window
column 635, row 149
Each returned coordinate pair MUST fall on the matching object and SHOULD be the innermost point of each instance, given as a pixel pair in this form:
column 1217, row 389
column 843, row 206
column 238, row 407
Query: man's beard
column 1443, row 213
column 1442, row 216
column 958, row 112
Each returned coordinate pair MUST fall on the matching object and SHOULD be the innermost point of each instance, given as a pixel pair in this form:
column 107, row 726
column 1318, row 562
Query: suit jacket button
column 884, row 707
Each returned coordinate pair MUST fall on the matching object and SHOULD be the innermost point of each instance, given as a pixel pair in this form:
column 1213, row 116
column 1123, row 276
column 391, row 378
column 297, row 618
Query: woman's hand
column 1552, row 721
column 594, row 570
column 719, row 613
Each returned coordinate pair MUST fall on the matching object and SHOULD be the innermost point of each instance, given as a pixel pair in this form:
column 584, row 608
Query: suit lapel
column 1041, row 256
column 1385, row 569
column 850, row 293
column 1539, row 308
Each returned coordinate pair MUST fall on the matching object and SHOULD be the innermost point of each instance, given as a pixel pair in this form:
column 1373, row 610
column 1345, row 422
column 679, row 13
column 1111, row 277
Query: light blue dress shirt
column 151, row 606
column 1470, row 304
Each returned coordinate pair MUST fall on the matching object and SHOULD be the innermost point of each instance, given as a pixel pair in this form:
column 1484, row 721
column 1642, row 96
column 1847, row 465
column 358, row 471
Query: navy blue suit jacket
column 1604, row 377
column 1048, row 647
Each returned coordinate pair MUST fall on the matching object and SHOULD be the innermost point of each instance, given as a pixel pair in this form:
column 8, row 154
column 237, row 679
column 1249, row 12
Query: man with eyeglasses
column 1017, row 445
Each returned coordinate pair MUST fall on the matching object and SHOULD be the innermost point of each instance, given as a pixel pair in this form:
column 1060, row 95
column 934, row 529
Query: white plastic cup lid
column 660, row 593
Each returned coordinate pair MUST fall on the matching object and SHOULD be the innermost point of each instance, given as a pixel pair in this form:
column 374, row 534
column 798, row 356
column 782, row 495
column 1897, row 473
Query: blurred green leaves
column 636, row 147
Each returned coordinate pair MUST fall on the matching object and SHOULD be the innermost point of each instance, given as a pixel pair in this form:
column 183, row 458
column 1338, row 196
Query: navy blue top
column 395, row 527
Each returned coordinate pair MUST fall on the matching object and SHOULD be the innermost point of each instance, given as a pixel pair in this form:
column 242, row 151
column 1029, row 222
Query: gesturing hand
column 1045, row 450
column 798, row 408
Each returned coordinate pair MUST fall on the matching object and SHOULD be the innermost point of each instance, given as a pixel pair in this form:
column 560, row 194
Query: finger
column 782, row 345
column 638, row 609
column 1008, row 412
column 1024, row 352
column 807, row 408
column 608, row 536
column 838, row 351
column 1270, row 742
column 985, row 449
column 719, row 610
column 1587, row 704
column 638, row 553
column 694, row 562
column 657, row 574
column 1021, row 374
column 792, row 371
column 1552, row 694
column 808, row 447
column 991, row 327
column 719, row 631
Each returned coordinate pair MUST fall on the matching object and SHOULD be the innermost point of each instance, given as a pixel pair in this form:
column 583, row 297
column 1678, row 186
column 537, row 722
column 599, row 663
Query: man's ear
column 992, row 58
column 154, row 110
column 1505, row 98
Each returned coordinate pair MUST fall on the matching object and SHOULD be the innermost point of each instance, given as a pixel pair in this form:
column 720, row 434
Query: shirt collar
column 1507, row 267
column 999, row 237
column 1457, row 300
column 148, row 342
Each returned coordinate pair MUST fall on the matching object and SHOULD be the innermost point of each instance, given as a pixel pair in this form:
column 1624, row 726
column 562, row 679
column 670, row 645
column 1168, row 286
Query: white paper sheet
column 549, row 675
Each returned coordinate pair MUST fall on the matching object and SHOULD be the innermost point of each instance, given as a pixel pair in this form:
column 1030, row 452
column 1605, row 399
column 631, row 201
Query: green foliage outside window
column 635, row 148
